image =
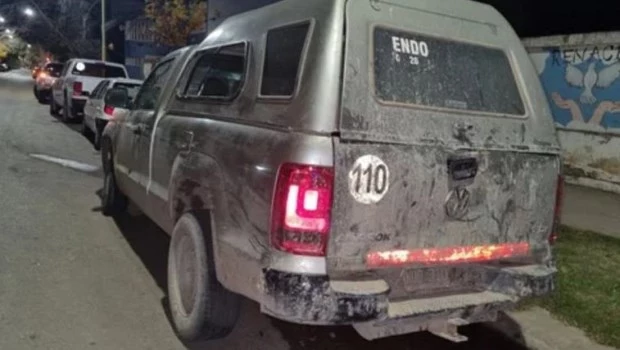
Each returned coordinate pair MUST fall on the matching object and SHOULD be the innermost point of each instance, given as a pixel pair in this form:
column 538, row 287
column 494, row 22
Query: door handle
column 136, row 129
column 187, row 142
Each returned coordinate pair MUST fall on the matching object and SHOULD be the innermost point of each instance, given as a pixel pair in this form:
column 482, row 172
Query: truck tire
column 113, row 201
column 201, row 308
column 53, row 108
column 65, row 111
column 98, row 134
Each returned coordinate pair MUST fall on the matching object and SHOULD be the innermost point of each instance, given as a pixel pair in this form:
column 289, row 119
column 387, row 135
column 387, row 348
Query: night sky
column 551, row 17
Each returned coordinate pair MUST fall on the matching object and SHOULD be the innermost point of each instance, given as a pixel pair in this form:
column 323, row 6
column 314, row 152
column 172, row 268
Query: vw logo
column 457, row 203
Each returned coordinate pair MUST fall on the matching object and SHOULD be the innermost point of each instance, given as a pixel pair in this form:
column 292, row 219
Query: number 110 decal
column 369, row 179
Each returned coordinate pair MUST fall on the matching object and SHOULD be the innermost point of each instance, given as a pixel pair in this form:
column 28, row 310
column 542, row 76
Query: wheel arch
column 197, row 184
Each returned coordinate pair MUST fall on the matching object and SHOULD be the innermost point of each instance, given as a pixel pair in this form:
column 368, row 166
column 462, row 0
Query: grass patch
column 587, row 292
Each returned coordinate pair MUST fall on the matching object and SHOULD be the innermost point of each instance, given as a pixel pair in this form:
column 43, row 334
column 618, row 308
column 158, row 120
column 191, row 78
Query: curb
column 537, row 329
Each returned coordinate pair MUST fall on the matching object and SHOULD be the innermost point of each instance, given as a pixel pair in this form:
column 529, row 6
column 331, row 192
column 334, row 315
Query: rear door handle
column 187, row 142
column 136, row 129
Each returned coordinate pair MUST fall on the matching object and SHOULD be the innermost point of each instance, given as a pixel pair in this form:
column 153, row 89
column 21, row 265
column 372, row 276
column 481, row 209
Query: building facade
column 580, row 74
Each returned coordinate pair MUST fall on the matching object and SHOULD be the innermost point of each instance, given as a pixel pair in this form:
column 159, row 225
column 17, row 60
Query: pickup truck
column 390, row 165
column 78, row 79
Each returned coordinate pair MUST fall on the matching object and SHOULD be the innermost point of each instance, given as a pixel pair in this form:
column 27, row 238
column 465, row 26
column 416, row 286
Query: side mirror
column 117, row 97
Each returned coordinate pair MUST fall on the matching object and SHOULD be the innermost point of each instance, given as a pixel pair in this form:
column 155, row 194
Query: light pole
column 103, row 33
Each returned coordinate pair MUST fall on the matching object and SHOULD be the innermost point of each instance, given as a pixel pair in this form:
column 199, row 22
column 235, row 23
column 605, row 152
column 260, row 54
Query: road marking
column 68, row 163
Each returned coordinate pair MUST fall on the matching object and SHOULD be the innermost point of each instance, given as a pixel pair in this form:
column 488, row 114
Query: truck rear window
column 421, row 70
column 98, row 70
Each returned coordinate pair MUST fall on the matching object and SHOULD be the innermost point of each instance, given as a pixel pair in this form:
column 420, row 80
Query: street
column 71, row 278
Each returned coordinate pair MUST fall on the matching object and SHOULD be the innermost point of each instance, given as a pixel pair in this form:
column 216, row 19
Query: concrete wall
column 581, row 77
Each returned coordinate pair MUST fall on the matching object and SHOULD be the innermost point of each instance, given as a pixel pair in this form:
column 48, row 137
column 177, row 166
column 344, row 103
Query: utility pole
column 103, row 33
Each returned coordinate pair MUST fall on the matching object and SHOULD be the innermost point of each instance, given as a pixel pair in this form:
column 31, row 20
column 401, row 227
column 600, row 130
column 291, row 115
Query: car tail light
column 301, row 211
column 559, row 197
column 109, row 110
column 77, row 88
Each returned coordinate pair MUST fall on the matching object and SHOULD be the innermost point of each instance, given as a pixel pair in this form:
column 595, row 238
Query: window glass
column 132, row 89
column 218, row 73
column 417, row 69
column 54, row 69
column 99, row 70
column 153, row 86
column 282, row 59
column 104, row 88
column 97, row 89
column 65, row 69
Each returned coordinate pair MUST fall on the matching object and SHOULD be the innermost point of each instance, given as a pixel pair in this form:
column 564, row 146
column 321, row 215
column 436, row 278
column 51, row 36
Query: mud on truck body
column 387, row 165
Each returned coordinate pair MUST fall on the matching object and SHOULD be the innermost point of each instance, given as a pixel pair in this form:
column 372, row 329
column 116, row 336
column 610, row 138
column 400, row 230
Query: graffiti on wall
column 583, row 86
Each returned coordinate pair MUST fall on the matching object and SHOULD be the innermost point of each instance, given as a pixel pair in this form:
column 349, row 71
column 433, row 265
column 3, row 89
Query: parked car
column 107, row 97
column 44, row 81
column 35, row 71
column 396, row 171
column 77, row 80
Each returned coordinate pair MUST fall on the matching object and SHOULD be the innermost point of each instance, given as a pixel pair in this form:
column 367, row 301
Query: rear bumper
column 313, row 300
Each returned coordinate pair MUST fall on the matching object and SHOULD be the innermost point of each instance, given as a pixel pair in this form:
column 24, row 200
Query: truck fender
column 197, row 184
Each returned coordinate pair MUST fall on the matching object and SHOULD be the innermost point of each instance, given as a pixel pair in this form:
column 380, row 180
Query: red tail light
column 559, row 197
column 301, row 212
column 77, row 88
column 109, row 110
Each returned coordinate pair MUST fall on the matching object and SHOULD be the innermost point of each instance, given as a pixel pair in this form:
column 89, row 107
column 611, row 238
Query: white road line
column 66, row 163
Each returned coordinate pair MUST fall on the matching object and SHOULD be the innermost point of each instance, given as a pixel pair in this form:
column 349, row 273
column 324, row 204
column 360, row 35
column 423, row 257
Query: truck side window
column 283, row 54
column 65, row 68
column 152, row 87
column 219, row 73
column 98, row 92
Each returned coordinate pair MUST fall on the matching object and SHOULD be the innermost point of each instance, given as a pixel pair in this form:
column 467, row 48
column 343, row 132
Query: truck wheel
column 53, row 108
column 201, row 307
column 65, row 111
column 98, row 134
column 113, row 201
column 84, row 129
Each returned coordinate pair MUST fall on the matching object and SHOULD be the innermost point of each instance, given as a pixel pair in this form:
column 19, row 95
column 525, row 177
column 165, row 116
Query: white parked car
column 77, row 81
column 104, row 104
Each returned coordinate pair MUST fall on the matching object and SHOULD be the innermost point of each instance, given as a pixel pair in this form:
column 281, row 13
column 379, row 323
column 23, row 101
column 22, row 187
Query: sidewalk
column 586, row 209
column 537, row 329
column 593, row 210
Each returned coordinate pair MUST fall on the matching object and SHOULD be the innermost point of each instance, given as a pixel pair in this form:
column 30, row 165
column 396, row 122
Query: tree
column 4, row 51
column 175, row 20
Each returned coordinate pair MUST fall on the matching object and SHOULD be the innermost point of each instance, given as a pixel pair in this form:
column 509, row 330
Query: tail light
column 109, row 110
column 301, row 211
column 77, row 88
column 559, row 196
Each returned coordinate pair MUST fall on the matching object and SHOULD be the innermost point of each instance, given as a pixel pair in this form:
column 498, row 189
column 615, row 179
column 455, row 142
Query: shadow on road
column 150, row 244
column 261, row 332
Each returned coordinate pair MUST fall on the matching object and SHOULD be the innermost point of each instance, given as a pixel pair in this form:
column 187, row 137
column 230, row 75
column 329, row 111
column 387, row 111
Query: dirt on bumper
column 307, row 299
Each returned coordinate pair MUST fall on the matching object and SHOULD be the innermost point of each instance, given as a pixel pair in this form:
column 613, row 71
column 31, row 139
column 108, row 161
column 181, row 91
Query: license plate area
column 433, row 280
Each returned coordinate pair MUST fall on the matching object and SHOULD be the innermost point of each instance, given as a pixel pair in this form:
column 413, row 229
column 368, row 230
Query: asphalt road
column 73, row 279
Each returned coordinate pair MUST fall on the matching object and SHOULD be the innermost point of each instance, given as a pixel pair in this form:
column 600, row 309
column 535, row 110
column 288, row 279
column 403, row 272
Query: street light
column 2, row 20
column 29, row 12
column 8, row 31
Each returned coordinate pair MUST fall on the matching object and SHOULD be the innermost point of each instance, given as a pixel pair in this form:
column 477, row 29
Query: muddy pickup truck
column 390, row 165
